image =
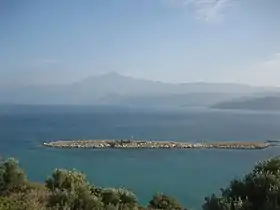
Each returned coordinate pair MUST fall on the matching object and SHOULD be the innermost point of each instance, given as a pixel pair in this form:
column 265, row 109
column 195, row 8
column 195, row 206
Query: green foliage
column 8, row 204
column 215, row 202
column 161, row 201
column 21, row 201
column 258, row 190
column 120, row 196
column 62, row 179
column 12, row 177
column 70, row 190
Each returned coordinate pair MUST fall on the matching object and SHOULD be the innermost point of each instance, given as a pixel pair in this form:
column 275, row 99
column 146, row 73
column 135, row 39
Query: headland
column 148, row 144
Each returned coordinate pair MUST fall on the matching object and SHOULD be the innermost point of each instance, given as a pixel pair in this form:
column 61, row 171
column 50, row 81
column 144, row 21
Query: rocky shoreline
column 137, row 144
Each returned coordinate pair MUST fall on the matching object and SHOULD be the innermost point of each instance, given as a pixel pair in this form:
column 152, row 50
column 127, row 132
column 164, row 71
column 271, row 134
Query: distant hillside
column 116, row 89
column 270, row 103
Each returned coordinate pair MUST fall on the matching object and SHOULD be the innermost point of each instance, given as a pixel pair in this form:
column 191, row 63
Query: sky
column 62, row 41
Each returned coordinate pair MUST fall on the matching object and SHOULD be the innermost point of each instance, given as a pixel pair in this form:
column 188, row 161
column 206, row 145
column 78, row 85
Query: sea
column 187, row 175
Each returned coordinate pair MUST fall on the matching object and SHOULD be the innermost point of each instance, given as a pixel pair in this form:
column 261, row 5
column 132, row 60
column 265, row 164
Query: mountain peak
column 112, row 74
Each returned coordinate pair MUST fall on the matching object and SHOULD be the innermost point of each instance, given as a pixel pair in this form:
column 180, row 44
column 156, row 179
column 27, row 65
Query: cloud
column 209, row 10
column 268, row 71
column 265, row 72
column 273, row 62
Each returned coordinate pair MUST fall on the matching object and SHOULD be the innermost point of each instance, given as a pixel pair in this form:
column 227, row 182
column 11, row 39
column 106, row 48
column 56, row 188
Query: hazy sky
column 60, row 41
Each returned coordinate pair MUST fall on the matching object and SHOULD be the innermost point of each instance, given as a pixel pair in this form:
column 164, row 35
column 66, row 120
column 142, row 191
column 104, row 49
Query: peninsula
column 138, row 144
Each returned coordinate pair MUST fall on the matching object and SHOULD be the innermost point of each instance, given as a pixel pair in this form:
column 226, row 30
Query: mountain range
column 268, row 103
column 116, row 89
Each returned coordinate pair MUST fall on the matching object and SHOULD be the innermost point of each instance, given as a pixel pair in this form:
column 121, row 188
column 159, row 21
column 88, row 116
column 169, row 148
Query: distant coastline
column 268, row 103
column 141, row 144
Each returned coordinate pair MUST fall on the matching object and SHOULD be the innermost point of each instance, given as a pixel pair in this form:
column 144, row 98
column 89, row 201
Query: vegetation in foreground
column 70, row 190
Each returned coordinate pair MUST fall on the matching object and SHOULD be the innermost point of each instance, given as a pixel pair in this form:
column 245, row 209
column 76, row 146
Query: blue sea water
column 188, row 175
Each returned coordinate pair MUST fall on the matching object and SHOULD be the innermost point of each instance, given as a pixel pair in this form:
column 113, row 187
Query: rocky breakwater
column 136, row 144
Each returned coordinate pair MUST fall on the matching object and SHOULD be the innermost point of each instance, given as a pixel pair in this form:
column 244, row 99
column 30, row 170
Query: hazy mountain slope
column 181, row 100
column 116, row 89
column 114, row 82
column 265, row 103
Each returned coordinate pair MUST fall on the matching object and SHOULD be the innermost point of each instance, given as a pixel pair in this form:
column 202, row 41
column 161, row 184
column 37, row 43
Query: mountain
column 116, row 89
column 269, row 103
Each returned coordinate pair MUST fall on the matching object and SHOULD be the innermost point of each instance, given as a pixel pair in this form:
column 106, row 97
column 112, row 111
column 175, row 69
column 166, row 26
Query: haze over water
column 188, row 175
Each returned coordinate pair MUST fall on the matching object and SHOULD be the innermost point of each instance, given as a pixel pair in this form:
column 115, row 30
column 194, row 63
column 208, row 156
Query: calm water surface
column 188, row 175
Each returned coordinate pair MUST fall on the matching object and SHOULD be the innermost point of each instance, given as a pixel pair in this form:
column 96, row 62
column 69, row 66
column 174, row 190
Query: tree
column 215, row 202
column 161, row 201
column 12, row 176
column 71, row 190
column 258, row 190
column 119, row 196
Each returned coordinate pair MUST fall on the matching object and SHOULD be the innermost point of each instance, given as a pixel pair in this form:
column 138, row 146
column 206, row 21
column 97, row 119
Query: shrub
column 120, row 196
column 12, row 177
column 70, row 190
column 9, row 204
column 258, row 190
column 161, row 201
